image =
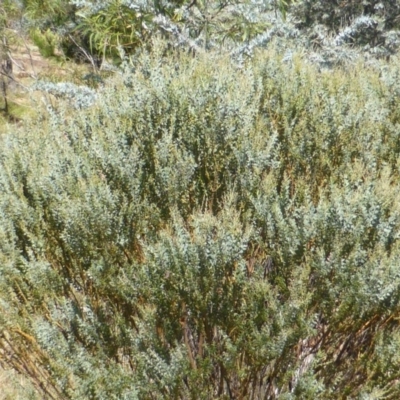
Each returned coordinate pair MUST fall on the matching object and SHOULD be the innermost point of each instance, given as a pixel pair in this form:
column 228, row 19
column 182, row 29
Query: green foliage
column 207, row 231
column 114, row 29
column 47, row 13
column 46, row 42
column 332, row 32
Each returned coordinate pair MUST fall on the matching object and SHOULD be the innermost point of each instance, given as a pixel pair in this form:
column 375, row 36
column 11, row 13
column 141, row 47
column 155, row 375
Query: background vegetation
column 215, row 214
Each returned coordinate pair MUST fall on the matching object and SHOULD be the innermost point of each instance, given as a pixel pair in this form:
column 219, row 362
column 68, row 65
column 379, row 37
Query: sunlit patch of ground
column 20, row 101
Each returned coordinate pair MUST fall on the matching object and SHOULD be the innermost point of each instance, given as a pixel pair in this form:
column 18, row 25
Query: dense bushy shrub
column 207, row 231
column 92, row 30
column 370, row 26
column 337, row 14
column 331, row 32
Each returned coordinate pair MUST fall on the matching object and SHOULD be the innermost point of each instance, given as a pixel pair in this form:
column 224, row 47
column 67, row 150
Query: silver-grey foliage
column 207, row 231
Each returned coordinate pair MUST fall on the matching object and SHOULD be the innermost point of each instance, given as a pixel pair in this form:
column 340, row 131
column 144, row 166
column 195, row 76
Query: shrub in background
column 331, row 32
column 46, row 42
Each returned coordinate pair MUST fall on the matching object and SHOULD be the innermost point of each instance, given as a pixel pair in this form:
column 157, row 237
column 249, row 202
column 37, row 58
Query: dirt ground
column 28, row 66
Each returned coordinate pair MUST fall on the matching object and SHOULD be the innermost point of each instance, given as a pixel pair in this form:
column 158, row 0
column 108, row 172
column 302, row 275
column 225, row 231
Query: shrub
column 46, row 42
column 207, row 231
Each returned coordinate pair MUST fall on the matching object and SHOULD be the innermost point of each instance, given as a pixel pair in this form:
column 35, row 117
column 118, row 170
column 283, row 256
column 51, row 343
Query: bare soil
column 28, row 65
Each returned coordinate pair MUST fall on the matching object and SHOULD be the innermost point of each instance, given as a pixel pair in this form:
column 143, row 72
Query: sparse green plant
column 47, row 42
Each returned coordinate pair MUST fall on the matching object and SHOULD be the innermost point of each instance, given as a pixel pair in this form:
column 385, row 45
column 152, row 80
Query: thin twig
column 14, row 62
column 30, row 58
column 88, row 56
column 14, row 80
